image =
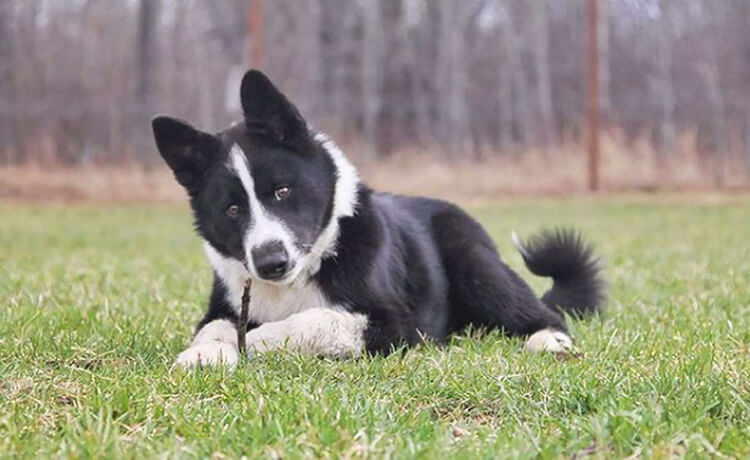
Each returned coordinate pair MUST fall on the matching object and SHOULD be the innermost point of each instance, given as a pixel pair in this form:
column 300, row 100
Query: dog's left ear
column 268, row 111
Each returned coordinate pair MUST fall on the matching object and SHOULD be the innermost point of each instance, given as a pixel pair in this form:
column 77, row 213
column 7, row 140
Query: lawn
column 99, row 299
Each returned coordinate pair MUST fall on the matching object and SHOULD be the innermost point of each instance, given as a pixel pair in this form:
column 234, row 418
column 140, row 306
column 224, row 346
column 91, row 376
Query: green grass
column 98, row 301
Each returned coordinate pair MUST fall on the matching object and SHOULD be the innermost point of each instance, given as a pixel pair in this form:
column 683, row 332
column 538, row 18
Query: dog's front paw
column 209, row 354
column 270, row 336
column 550, row 340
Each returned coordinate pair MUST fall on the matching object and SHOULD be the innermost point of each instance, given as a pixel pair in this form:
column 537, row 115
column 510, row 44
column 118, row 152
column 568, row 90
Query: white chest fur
column 268, row 302
column 273, row 303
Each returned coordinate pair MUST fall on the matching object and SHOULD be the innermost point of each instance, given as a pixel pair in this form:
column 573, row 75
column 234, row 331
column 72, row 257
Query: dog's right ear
column 267, row 110
column 186, row 150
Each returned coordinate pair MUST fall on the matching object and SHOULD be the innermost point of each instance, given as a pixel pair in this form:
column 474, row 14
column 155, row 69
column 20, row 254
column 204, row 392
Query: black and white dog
column 338, row 269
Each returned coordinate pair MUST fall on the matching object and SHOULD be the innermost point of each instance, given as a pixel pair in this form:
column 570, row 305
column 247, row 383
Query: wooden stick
column 242, row 326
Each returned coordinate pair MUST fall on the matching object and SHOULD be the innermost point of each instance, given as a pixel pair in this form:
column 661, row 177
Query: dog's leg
column 317, row 331
column 215, row 343
column 485, row 292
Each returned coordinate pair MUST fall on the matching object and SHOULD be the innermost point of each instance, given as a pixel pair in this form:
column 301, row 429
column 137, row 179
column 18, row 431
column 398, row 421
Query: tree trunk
column 371, row 76
column 177, row 86
column 520, row 87
column 452, row 78
column 542, row 64
column 709, row 72
column 665, row 85
column 7, row 105
column 605, row 98
column 145, row 73
column 307, row 62
column 505, row 117
column 746, row 60
column 146, row 50
column 710, row 75
column 420, row 102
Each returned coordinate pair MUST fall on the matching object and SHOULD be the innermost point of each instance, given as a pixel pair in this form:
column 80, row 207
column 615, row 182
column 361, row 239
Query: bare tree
column 307, row 18
column 391, row 74
column 451, row 77
column 542, row 65
column 664, row 80
column 709, row 72
column 146, row 66
column 6, row 82
column 745, row 24
column 518, row 76
column 371, row 78
column 605, row 100
column 416, row 36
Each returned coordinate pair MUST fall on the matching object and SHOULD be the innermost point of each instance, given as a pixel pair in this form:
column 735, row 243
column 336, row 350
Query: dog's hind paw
column 550, row 340
column 209, row 354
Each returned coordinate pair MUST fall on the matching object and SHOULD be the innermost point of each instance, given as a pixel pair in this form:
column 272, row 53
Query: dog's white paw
column 269, row 336
column 209, row 354
column 549, row 340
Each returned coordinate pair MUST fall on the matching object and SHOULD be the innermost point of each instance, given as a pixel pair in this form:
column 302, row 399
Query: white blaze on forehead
column 264, row 227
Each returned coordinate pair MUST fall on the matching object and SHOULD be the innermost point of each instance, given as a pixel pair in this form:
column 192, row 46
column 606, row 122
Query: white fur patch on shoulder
column 344, row 204
column 317, row 331
column 549, row 340
column 268, row 301
column 274, row 302
column 347, row 183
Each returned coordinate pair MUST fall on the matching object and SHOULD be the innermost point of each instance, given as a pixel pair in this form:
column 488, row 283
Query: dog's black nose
column 271, row 260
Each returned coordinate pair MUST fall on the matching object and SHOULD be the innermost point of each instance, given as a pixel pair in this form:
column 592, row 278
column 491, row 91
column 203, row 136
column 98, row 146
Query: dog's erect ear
column 267, row 110
column 186, row 150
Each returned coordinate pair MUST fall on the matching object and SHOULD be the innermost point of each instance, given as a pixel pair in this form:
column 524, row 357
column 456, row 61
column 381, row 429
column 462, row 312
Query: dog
column 338, row 269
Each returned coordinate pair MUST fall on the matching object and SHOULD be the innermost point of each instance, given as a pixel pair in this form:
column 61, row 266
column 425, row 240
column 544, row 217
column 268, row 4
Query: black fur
column 431, row 270
column 562, row 255
column 418, row 268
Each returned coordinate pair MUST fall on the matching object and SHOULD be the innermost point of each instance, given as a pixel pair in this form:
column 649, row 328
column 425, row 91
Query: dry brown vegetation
column 635, row 166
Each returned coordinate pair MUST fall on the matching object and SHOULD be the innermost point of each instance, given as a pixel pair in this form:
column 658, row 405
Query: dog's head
column 268, row 192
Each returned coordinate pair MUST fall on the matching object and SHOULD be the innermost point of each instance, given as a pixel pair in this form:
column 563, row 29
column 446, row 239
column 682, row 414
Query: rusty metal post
column 592, row 112
column 255, row 32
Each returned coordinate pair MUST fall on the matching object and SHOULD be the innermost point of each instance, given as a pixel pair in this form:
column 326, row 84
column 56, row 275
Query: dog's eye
column 281, row 192
column 233, row 210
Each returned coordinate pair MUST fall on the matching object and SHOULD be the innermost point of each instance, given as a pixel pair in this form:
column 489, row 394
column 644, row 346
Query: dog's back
column 432, row 268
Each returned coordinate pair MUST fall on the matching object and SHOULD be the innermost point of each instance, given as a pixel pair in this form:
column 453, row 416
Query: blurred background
column 475, row 96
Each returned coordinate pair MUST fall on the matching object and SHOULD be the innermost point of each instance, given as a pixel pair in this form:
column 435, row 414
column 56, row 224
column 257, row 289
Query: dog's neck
column 344, row 203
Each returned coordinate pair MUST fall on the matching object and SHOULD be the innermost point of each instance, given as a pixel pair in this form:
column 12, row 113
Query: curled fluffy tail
column 562, row 255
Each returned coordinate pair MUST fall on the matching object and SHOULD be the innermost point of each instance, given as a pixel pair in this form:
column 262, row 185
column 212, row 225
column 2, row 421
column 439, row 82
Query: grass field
column 98, row 301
